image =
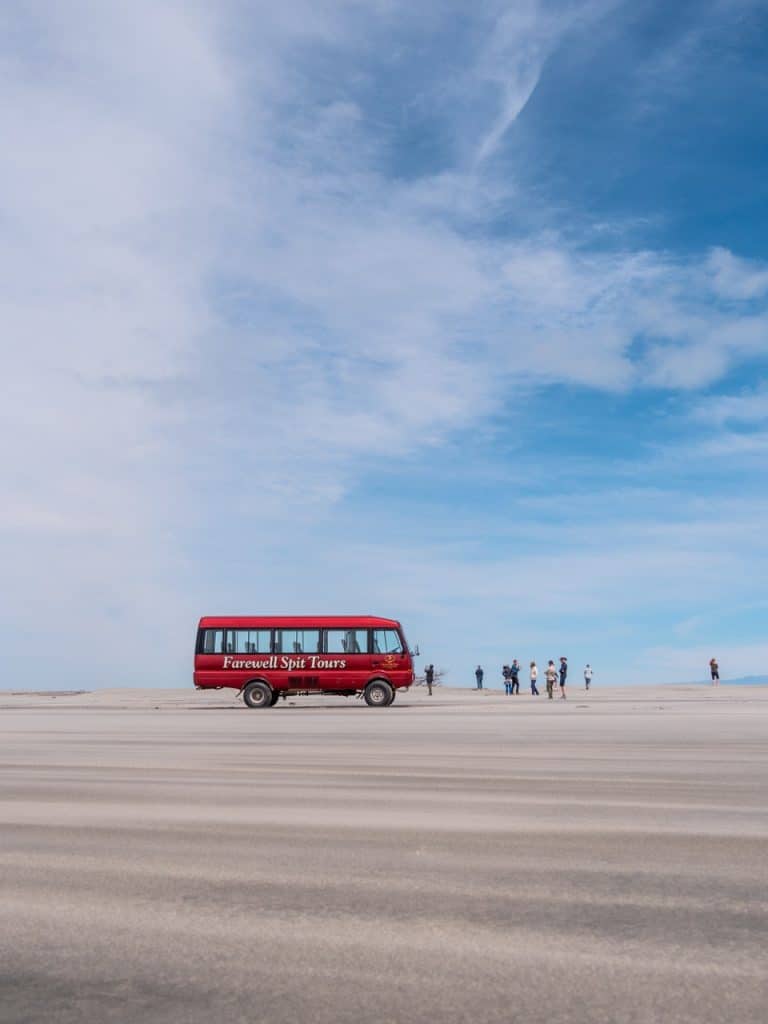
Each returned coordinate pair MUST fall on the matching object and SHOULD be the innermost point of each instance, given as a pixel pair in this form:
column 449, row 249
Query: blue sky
column 452, row 313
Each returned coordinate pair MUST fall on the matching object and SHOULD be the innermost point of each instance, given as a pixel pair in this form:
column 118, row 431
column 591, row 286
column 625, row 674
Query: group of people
column 552, row 677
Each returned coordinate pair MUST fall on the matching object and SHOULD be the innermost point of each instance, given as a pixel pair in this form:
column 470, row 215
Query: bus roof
column 297, row 622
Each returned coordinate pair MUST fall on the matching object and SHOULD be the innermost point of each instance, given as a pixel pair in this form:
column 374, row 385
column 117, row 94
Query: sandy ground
column 170, row 856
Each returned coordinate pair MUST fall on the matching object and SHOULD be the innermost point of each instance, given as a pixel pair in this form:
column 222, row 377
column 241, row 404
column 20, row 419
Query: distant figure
column 714, row 669
column 429, row 677
column 507, row 681
column 514, row 676
column 534, row 677
column 587, row 676
column 479, row 677
column 563, row 676
column 551, row 676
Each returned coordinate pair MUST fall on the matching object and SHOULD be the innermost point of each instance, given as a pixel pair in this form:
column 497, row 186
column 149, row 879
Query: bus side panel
column 351, row 672
column 209, row 672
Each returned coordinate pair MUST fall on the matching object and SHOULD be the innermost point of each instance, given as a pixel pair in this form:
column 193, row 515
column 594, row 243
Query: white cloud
column 730, row 445
column 747, row 407
column 108, row 172
column 734, row 278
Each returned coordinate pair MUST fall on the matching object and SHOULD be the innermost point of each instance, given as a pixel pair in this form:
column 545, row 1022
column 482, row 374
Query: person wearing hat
column 551, row 676
column 563, row 676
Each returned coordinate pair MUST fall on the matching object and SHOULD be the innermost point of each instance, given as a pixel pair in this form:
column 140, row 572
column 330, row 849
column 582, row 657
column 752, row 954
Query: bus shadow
column 298, row 707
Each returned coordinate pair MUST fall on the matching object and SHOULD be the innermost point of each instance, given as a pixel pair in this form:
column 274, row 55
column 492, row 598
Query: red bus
column 268, row 657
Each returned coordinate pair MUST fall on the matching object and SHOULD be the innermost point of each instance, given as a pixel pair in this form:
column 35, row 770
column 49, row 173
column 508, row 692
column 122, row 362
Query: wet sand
column 172, row 856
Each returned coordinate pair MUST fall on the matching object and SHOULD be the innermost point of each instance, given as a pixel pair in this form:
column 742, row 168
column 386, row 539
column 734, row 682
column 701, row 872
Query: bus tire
column 258, row 695
column 378, row 693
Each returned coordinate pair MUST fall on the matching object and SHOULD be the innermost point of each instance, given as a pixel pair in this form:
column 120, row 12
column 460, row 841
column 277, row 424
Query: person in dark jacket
column 563, row 676
column 479, row 677
column 429, row 677
column 514, row 677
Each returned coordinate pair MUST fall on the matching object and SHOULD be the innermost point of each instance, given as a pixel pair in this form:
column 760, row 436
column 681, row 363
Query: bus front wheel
column 378, row 693
column 258, row 695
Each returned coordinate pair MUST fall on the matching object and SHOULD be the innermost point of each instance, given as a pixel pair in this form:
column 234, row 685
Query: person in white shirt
column 534, row 677
column 587, row 676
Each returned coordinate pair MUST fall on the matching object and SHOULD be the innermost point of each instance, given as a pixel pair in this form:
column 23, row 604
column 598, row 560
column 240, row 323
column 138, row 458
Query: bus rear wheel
column 378, row 693
column 258, row 695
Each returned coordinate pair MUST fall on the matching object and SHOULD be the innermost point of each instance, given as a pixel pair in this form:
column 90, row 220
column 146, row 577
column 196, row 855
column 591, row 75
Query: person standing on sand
column 507, row 683
column 551, row 676
column 714, row 670
column 587, row 676
column 429, row 677
column 563, row 676
column 514, row 677
column 479, row 676
column 534, row 677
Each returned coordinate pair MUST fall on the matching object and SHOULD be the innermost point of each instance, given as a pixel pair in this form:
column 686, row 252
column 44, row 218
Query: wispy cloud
column 522, row 39
column 748, row 407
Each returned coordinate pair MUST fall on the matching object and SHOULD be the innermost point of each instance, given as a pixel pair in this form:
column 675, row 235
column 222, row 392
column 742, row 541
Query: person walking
column 507, row 681
column 563, row 676
column 714, row 671
column 551, row 676
column 429, row 678
column 534, row 677
column 514, row 676
column 479, row 676
column 587, row 676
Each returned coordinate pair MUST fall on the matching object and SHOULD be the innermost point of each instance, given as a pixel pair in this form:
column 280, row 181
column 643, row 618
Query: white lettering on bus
column 284, row 662
column 327, row 662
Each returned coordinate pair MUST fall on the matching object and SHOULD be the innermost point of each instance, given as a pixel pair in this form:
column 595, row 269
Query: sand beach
column 173, row 856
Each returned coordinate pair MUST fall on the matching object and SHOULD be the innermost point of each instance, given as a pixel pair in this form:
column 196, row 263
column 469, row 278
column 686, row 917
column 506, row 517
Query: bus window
column 346, row 641
column 212, row 641
column 387, row 641
column 297, row 641
column 248, row 641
